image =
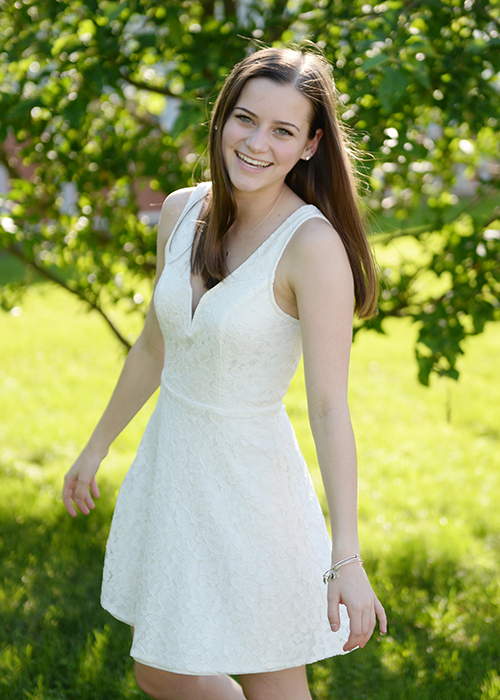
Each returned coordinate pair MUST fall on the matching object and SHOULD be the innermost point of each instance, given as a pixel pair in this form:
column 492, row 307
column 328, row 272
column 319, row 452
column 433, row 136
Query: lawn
column 430, row 530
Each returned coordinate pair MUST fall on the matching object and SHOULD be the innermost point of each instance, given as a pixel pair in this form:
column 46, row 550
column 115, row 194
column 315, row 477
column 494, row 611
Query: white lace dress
column 218, row 543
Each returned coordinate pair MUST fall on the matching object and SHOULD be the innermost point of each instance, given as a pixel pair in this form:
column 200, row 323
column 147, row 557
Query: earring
column 308, row 157
column 216, row 127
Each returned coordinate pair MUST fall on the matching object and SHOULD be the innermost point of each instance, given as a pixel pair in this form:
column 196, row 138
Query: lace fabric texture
column 218, row 543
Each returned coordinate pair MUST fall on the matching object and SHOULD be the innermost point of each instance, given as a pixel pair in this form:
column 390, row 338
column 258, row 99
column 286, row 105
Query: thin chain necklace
column 257, row 225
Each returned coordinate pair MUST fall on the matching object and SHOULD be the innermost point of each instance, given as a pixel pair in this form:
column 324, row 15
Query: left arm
column 319, row 275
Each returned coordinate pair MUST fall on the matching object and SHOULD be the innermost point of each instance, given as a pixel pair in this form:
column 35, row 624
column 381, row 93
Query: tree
column 111, row 95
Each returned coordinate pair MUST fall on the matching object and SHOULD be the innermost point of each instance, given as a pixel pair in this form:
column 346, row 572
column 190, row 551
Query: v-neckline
column 194, row 314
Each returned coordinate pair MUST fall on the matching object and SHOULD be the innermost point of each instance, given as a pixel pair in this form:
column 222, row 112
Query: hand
column 77, row 482
column 353, row 589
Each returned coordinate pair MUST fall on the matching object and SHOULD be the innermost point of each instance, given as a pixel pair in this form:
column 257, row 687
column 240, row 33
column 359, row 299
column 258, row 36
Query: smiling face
column 266, row 134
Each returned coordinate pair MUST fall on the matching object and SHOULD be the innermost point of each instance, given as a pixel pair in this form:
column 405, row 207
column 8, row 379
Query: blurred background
column 103, row 111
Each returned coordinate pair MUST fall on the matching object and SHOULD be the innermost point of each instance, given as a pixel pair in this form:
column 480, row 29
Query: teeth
column 251, row 161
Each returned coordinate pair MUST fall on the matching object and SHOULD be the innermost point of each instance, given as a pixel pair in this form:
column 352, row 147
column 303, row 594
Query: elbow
column 323, row 411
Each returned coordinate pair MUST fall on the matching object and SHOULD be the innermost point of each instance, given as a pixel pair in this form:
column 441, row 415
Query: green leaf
column 392, row 87
column 112, row 135
column 419, row 70
column 373, row 61
column 67, row 42
column 22, row 110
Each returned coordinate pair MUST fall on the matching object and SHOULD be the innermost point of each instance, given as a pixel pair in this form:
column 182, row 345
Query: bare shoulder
column 316, row 249
column 171, row 210
column 177, row 200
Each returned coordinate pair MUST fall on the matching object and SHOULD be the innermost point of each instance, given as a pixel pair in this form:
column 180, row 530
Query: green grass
column 430, row 528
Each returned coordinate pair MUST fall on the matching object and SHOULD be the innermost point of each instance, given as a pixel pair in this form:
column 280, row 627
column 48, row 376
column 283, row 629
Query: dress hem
column 222, row 672
column 225, row 672
column 117, row 616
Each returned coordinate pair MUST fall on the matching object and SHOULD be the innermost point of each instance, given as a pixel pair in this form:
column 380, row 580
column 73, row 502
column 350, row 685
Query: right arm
column 138, row 380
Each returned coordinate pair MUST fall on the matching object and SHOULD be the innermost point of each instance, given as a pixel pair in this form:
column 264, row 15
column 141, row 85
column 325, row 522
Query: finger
column 81, row 490
column 94, row 488
column 362, row 623
column 68, row 504
column 369, row 621
column 382, row 617
column 82, row 506
column 355, row 634
column 82, row 498
column 333, row 611
column 352, row 642
column 67, row 497
column 88, row 501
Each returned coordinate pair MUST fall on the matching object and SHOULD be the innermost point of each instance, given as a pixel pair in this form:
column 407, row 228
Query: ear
column 312, row 145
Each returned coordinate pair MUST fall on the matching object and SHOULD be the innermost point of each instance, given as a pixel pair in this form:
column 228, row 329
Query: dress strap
column 280, row 242
column 183, row 229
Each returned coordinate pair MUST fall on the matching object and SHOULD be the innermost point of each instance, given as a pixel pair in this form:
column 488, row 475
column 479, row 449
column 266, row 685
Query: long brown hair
column 327, row 180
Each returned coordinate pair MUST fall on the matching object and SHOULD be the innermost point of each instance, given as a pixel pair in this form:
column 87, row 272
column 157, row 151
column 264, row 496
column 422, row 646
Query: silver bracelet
column 333, row 573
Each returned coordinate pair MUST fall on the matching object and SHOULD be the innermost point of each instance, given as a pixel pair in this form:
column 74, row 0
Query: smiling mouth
column 252, row 162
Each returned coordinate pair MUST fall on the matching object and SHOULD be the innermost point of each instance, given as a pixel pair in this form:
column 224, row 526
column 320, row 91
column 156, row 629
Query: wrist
column 346, row 550
column 333, row 573
column 96, row 451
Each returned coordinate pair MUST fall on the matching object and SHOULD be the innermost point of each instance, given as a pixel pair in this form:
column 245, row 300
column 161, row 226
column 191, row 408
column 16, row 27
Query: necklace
column 260, row 222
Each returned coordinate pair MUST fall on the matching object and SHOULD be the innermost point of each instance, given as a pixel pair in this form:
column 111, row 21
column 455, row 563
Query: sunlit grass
column 430, row 528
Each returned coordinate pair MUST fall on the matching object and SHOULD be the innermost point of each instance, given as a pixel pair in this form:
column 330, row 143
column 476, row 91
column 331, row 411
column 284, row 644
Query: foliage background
column 100, row 99
column 109, row 96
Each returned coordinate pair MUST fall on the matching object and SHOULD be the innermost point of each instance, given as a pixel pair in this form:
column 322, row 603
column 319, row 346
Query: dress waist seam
column 265, row 409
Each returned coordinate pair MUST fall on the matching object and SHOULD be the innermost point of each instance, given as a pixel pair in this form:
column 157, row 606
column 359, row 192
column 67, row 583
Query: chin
column 254, row 183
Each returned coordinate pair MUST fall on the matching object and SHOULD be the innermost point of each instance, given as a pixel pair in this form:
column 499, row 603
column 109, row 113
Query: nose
column 257, row 140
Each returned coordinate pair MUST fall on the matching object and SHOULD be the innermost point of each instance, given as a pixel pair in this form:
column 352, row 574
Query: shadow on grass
column 56, row 642
column 443, row 641
column 448, row 672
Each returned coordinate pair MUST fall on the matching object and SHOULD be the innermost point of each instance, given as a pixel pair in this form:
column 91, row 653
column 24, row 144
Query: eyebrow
column 275, row 121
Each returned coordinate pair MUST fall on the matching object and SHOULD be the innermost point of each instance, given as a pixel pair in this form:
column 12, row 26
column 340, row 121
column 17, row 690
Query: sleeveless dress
column 218, row 544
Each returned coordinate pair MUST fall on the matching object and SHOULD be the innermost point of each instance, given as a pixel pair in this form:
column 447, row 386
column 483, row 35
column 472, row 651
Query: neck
column 253, row 206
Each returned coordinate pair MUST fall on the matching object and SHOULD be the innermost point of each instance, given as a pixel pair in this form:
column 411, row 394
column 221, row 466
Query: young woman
column 218, row 546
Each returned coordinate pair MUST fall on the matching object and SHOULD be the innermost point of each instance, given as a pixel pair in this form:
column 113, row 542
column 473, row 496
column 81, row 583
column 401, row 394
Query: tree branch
column 229, row 8
column 208, row 7
column 4, row 160
column 145, row 86
column 402, row 311
column 53, row 278
column 431, row 227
